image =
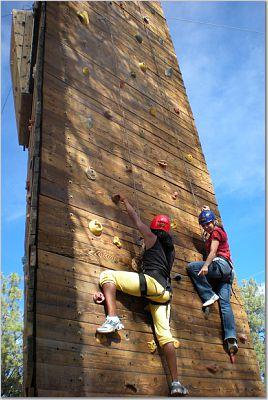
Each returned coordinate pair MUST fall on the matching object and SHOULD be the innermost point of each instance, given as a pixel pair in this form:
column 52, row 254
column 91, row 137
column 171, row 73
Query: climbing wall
column 115, row 118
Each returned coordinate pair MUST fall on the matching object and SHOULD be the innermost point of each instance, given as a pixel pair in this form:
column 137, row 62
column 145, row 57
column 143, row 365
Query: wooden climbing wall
column 100, row 111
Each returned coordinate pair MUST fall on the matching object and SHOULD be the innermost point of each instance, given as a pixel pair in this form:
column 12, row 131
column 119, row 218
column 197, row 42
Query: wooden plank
column 166, row 118
column 101, row 31
column 76, row 114
column 83, row 288
column 73, row 377
column 56, row 354
column 71, row 172
column 66, row 223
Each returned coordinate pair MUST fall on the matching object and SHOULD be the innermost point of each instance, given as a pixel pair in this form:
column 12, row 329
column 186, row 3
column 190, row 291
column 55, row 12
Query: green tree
column 12, row 328
column 254, row 302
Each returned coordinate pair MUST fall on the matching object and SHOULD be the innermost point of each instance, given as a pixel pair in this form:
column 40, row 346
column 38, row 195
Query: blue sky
column 223, row 71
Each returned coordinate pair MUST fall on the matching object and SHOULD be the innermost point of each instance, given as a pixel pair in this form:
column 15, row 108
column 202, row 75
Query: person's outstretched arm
column 149, row 237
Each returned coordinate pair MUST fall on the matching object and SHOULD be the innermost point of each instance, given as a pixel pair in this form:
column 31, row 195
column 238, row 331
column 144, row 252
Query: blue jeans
column 216, row 281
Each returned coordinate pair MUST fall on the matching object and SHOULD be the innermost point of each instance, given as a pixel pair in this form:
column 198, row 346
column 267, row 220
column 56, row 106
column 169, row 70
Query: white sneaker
column 211, row 300
column 112, row 324
column 177, row 389
column 232, row 345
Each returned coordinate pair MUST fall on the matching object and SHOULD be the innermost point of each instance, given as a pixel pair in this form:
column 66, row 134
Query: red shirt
column 220, row 235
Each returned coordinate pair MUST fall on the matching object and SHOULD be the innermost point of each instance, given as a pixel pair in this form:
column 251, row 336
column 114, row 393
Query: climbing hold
column 189, row 157
column 117, row 242
column 91, row 174
column 121, row 5
column 242, row 337
column 213, row 368
column 116, row 198
column 128, row 168
column 122, row 84
column 169, row 72
column 83, row 16
column 176, row 109
column 133, row 74
column 139, row 38
column 173, row 224
column 101, row 338
column 143, row 66
column 176, row 344
column 161, row 40
column 206, row 311
column 177, row 277
column 90, row 122
column 107, row 114
column 175, row 195
column 95, row 227
column 152, row 346
column 98, row 297
column 162, row 163
column 152, row 10
column 205, row 208
column 85, row 71
column 153, row 111
column 146, row 20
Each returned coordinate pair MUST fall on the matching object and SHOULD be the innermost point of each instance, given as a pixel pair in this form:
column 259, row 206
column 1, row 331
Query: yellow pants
column 128, row 282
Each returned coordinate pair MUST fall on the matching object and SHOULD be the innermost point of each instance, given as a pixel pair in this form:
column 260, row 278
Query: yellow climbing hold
column 95, row 227
column 189, row 157
column 83, row 16
column 176, row 344
column 85, row 71
column 153, row 111
column 152, row 346
column 117, row 242
column 173, row 224
column 143, row 66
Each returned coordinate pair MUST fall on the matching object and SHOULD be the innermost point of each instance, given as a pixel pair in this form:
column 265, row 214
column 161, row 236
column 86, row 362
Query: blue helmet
column 206, row 216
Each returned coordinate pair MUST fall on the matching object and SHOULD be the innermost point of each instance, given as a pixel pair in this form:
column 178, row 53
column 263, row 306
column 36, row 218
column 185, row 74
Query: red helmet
column 161, row 222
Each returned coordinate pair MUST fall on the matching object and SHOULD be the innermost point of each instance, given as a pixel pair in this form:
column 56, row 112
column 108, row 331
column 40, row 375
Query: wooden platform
column 121, row 126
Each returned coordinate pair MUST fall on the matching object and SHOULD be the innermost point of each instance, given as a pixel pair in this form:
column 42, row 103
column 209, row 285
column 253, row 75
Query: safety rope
column 169, row 114
column 120, row 104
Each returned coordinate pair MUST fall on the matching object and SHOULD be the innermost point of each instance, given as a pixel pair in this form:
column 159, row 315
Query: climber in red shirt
column 213, row 278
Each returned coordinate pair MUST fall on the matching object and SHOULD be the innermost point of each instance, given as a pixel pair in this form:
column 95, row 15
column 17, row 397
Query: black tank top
column 158, row 264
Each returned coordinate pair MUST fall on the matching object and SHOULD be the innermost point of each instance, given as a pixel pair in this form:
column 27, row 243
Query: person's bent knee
column 107, row 277
column 164, row 340
column 190, row 268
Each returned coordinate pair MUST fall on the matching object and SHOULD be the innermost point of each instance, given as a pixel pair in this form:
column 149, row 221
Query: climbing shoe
column 177, row 389
column 232, row 346
column 211, row 300
column 112, row 324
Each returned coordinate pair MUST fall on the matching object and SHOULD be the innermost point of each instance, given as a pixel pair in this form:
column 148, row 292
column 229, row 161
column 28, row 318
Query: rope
column 169, row 112
column 6, row 99
column 216, row 25
column 120, row 104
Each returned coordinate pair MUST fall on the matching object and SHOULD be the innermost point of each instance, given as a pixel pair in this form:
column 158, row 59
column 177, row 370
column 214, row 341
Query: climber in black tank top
column 157, row 261
column 153, row 283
